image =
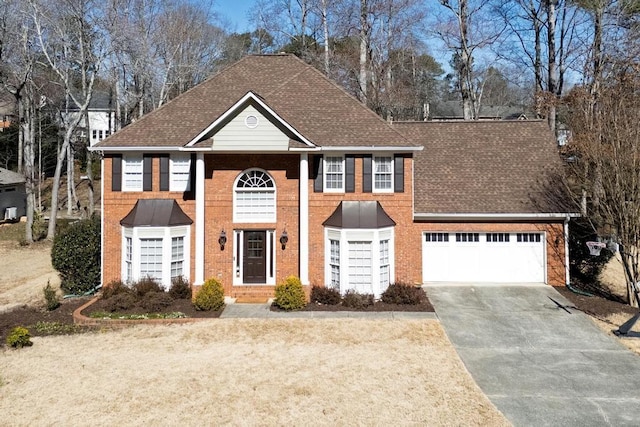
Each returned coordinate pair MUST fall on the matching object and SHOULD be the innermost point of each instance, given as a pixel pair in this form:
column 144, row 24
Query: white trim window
column 177, row 257
column 179, row 172
column 254, row 197
column 334, row 174
column 383, row 174
column 156, row 252
column 132, row 169
column 359, row 259
column 334, row 263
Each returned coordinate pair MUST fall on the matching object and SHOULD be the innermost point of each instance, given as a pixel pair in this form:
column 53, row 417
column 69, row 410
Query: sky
column 235, row 12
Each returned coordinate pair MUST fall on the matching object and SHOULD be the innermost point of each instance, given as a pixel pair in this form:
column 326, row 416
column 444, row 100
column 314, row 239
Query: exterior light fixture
column 284, row 239
column 222, row 240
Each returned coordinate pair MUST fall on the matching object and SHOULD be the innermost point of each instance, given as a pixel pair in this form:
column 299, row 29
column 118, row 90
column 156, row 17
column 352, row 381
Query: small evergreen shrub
column 325, row 295
column 51, row 297
column 210, row 296
column 146, row 285
column 156, row 301
column 290, row 294
column 76, row 256
column 114, row 288
column 353, row 299
column 122, row 301
column 401, row 293
column 19, row 337
column 180, row 288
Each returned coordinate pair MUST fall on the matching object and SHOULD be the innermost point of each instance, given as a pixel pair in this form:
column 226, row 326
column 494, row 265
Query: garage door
column 483, row 257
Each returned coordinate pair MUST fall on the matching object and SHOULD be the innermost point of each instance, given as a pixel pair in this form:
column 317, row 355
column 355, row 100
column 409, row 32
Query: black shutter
column 164, row 172
column 190, row 194
column 147, row 173
column 366, row 173
column 398, row 172
column 350, row 173
column 318, row 178
column 116, row 173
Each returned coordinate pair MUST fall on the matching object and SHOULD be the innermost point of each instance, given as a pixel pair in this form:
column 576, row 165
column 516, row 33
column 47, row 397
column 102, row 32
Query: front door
column 254, row 257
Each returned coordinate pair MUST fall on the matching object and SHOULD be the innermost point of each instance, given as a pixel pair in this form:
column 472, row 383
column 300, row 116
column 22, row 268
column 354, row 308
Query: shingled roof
column 475, row 167
column 302, row 96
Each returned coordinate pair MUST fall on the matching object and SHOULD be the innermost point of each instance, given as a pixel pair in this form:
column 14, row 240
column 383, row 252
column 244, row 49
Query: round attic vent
column 251, row 121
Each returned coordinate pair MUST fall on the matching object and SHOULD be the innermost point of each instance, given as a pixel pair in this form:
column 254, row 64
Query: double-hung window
column 177, row 256
column 132, row 169
column 383, row 173
column 384, row 264
column 180, row 171
column 254, row 197
column 334, row 173
column 151, row 258
column 334, row 263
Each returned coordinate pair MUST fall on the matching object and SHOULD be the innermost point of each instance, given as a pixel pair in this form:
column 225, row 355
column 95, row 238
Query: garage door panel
column 484, row 261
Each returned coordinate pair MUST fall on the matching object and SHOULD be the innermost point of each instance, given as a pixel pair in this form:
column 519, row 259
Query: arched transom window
column 254, row 197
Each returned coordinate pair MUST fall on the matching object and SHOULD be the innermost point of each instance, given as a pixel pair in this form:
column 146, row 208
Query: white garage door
column 483, row 257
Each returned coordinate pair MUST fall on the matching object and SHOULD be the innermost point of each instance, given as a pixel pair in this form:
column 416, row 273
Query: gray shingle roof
column 495, row 167
column 302, row 96
column 8, row 177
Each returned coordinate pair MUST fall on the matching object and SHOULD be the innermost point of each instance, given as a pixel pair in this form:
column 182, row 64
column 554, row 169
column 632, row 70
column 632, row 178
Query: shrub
column 76, row 256
column 180, row 288
column 401, row 293
column 290, row 294
column 123, row 301
column 19, row 337
column 324, row 295
column 210, row 296
column 146, row 285
column 156, row 301
column 353, row 299
column 51, row 297
column 114, row 288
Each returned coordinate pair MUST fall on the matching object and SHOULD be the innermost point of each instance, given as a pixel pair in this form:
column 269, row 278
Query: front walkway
column 539, row 364
column 262, row 311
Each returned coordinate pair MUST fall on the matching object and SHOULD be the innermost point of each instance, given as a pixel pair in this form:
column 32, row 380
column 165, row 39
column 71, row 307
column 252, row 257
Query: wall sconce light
column 284, row 238
column 222, row 240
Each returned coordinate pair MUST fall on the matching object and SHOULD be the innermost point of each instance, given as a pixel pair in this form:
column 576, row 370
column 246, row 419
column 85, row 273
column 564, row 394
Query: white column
column 199, row 235
column 304, row 219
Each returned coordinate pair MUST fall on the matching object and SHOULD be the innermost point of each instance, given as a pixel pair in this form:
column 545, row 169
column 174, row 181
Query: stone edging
column 81, row 319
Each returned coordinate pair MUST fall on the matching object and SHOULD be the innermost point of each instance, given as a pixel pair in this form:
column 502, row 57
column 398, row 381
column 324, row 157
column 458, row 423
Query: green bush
column 76, row 256
column 146, row 285
column 353, row 299
column 19, row 337
column 51, row 297
column 401, row 293
column 290, row 294
column 324, row 295
column 156, row 301
column 114, row 288
column 180, row 288
column 210, row 296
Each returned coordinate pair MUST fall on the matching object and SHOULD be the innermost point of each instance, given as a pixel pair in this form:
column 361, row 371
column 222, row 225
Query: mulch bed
column 376, row 307
column 596, row 306
column 182, row 305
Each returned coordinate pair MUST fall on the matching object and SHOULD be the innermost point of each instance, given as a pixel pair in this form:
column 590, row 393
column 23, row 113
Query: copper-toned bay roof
column 302, row 96
column 476, row 167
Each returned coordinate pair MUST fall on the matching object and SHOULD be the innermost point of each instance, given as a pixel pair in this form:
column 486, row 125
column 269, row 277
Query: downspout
column 567, row 277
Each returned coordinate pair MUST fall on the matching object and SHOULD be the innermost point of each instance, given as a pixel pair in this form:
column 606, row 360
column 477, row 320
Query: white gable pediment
column 250, row 130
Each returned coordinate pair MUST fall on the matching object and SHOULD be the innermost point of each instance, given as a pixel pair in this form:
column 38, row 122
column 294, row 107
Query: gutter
column 492, row 216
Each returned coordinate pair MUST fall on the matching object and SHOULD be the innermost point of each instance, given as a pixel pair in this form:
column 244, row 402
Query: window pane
column 333, row 173
column 180, row 171
column 334, row 263
column 384, row 264
column 151, row 258
column 132, row 174
column 383, row 174
column 255, row 198
column 128, row 258
column 177, row 256
column 360, row 266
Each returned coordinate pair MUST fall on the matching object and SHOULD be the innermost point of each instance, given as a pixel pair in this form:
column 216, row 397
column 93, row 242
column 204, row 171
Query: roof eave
column 369, row 149
column 494, row 216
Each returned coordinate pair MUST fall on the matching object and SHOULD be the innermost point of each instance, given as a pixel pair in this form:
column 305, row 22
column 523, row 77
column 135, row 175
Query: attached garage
column 483, row 257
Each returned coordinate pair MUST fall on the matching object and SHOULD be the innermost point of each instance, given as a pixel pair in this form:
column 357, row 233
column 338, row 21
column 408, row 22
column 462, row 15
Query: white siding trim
column 200, row 212
column 304, row 218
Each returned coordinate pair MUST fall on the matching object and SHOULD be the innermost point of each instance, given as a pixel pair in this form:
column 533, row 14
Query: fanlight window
column 255, row 197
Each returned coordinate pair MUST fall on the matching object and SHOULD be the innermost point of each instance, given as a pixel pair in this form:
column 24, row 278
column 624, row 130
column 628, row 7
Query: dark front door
column 255, row 257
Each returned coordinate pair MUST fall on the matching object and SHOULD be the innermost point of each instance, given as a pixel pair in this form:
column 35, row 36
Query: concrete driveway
column 537, row 363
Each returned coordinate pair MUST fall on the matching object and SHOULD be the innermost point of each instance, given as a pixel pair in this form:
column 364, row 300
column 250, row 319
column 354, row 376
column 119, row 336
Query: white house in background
column 102, row 118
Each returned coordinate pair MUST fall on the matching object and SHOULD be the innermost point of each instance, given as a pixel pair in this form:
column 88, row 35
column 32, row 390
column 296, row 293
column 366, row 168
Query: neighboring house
column 269, row 169
column 102, row 118
column 13, row 198
column 7, row 111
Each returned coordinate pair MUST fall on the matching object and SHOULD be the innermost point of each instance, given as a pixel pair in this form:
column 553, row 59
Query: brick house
column 269, row 169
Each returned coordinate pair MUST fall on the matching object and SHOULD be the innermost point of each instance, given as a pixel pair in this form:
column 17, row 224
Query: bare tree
column 67, row 37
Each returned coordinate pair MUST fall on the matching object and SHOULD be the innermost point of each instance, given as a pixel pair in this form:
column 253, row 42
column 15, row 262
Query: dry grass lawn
column 24, row 271
column 245, row 372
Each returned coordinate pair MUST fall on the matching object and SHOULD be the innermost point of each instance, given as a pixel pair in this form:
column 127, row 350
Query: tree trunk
column 552, row 64
column 55, row 189
column 325, row 30
column 363, row 80
column 27, row 128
